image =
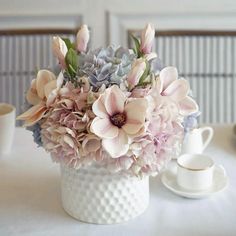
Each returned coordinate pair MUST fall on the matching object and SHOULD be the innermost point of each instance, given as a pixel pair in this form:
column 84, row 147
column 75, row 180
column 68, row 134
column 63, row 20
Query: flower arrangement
column 113, row 106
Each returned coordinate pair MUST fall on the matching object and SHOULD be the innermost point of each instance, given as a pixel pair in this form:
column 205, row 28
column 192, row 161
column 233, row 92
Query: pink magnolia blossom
column 37, row 95
column 82, row 39
column 117, row 120
column 177, row 90
column 59, row 49
column 137, row 70
column 147, row 39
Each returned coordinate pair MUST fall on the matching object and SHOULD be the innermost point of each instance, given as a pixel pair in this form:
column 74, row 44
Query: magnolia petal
column 35, row 117
column 177, row 90
column 99, row 108
column 51, row 98
column 49, row 87
column 33, row 85
column 114, row 100
column 188, row 106
column 136, row 72
column 43, row 77
column 135, row 115
column 32, row 97
column 139, row 133
column 103, row 128
column 60, row 80
column 150, row 56
column 30, row 112
column 167, row 76
column 117, row 146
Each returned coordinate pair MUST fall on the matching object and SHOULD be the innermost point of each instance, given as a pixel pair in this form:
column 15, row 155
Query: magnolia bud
column 147, row 39
column 59, row 50
column 82, row 39
column 137, row 70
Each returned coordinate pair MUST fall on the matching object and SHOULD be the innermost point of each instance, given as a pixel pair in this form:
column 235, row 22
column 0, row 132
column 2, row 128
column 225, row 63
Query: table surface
column 30, row 201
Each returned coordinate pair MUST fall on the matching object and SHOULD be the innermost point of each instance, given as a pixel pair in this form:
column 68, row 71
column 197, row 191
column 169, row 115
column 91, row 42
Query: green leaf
column 72, row 69
column 136, row 44
column 71, row 61
column 68, row 43
column 145, row 73
column 73, row 46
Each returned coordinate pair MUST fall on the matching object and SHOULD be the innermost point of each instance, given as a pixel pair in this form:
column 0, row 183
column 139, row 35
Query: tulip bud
column 147, row 38
column 59, row 49
column 82, row 39
column 137, row 70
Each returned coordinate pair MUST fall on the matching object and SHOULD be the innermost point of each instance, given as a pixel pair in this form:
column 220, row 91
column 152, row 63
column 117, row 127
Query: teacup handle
column 210, row 135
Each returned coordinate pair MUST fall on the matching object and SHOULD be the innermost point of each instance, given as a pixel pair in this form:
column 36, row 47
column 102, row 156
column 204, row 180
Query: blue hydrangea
column 191, row 121
column 36, row 129
column 156, row 66
column 105, row 65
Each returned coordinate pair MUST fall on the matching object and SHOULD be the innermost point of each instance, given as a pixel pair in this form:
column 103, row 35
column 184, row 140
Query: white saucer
column 220, row 182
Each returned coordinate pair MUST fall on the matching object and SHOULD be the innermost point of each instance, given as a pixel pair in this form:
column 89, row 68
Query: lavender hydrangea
column 105, row 65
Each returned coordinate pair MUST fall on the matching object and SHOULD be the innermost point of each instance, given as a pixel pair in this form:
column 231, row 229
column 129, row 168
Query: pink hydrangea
column 66, row 130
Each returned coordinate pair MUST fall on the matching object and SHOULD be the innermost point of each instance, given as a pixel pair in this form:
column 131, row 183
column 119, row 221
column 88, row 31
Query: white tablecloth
column 30, row 198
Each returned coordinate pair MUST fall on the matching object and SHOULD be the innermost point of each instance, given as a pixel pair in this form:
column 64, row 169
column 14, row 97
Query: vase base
column 94, row 195
column 101, row 222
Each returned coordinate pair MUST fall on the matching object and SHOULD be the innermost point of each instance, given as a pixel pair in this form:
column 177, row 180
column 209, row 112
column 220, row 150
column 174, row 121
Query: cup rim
column 195, row 169
column 12, row 109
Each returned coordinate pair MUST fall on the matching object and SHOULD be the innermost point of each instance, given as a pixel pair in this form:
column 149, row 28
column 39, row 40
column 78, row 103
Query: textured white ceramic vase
column 94, row 195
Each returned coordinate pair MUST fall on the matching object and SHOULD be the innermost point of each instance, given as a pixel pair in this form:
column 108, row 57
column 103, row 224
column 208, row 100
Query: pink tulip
column 59, row 50
column 147, row 39
column 82, row 39
column 137, row 70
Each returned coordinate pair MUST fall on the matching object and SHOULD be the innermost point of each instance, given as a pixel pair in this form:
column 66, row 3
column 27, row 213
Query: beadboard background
column 110, row 21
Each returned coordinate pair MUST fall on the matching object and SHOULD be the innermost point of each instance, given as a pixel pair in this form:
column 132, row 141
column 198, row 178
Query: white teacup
column 195, row 171
column 7, row 127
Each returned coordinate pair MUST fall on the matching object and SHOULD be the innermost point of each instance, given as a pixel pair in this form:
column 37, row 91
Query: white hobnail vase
column 92, row 194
